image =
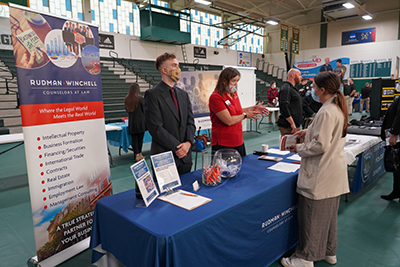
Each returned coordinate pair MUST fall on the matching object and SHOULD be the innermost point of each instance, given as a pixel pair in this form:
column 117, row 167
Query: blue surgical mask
column 316, row 98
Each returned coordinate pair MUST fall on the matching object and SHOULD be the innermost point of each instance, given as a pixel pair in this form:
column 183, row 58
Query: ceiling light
column 367, row 17
column 272, row 22
column 348, row 5
column 204, row 2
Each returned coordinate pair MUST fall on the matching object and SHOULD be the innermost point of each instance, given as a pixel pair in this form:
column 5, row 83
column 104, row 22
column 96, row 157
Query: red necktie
column 174, row 99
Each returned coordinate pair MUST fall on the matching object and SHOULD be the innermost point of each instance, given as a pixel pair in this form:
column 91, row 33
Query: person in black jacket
column 310, row 108
column 136, row 121
column 290, row 104
column 392, row 124
column 169, row 115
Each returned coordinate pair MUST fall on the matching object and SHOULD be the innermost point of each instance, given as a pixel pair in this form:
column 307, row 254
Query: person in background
column 136, row 121
column 310, row 108
column 356, row 101
column 227, row 114
column 169, row 115
column 352, row 93
column 340, row 70
column 326, row 66
column 304, row 87
column 349, row 92
column 322, row 176
column 365, row 97
column 272, row 101
column 391, row 125
column 290, row 104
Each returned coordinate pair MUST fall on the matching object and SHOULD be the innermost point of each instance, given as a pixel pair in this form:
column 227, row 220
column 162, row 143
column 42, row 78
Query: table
column 251, row 221
column 370, row 164
column 123, row 139
column 270, row 109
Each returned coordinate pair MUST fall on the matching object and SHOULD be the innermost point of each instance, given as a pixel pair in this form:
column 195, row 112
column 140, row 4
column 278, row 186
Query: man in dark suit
column 169, row 115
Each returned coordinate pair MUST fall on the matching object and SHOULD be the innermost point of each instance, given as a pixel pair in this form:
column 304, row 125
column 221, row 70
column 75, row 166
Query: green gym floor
column 368, row 226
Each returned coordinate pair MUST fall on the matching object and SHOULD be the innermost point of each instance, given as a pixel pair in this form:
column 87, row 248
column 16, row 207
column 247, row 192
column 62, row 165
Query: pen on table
column 297, row 162
column 190, row 195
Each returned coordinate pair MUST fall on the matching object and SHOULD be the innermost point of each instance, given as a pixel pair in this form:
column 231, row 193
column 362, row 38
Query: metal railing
column 150, row 81
column 114, row 56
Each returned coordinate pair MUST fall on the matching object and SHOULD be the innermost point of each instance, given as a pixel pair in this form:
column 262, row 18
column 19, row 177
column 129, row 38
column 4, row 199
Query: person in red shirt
column 273, row 100
column 227, row 114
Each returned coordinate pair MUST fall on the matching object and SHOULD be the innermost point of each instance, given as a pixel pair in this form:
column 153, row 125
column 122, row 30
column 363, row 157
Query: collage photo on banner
column 63, row 125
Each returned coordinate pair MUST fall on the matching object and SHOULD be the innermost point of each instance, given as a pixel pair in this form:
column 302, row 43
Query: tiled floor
column 368, row 227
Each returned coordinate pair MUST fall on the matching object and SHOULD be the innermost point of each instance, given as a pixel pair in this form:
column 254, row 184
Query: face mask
column 174, row 74
column 316, row 98
column 274, row 86
column 232, row 89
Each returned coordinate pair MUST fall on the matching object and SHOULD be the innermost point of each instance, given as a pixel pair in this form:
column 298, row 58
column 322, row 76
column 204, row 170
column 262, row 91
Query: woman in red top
column 227, row 114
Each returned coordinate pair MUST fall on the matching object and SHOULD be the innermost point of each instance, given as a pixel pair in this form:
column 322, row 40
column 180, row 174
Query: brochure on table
column 165, row 171
column 145, row 182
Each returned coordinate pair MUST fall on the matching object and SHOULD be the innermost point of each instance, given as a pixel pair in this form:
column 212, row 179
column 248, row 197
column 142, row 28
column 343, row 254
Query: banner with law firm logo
column 58, row 68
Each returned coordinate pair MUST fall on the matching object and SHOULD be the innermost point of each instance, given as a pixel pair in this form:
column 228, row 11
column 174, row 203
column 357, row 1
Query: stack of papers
column 285, row 167
column 277, row 151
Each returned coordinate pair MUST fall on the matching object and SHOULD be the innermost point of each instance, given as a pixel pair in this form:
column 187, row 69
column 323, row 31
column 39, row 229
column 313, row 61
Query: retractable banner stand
column 58, row 71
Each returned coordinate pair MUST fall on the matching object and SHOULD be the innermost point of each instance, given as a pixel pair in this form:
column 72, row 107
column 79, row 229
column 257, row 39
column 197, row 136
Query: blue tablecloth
column 251, row 221
column 122, row 138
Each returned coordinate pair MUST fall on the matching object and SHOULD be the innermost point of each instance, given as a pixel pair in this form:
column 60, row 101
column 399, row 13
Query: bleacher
column 10, row 115
column 266, row 73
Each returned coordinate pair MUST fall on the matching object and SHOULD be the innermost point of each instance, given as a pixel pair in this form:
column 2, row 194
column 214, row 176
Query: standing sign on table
column 58, row 67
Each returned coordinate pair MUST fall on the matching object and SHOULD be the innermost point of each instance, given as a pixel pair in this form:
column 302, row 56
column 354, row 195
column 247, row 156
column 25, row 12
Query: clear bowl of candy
column 229, row 162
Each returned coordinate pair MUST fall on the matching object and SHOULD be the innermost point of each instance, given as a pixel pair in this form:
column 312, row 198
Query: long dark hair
column 132, row 98
column 224, row 78
column 331, row 83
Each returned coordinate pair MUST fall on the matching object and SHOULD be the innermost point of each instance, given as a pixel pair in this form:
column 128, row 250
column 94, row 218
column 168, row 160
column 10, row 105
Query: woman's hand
column 252, row 115
column 301, row 133
column 293, row 149
column 261, row 110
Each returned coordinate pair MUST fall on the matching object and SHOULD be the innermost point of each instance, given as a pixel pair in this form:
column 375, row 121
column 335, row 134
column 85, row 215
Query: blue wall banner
column 310, row 67
column 369, row 167
column 58, row 68
column 359, row 36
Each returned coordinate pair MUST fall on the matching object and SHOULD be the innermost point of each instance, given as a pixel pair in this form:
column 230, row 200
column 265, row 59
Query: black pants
column 396, row 182
column 137, row 142
column 241, row 149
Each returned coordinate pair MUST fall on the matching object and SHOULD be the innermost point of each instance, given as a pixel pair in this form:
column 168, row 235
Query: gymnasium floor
column 368, row 226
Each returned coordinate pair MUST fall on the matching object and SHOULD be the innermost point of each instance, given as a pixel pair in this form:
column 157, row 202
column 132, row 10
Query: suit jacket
column 392, row 119
column 167, row 129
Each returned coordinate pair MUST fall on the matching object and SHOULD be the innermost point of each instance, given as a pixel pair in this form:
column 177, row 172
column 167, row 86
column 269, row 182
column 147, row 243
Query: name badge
column 227, row 102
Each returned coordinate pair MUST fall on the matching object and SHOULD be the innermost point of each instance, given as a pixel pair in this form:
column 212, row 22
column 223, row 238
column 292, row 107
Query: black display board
column 382, row 96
